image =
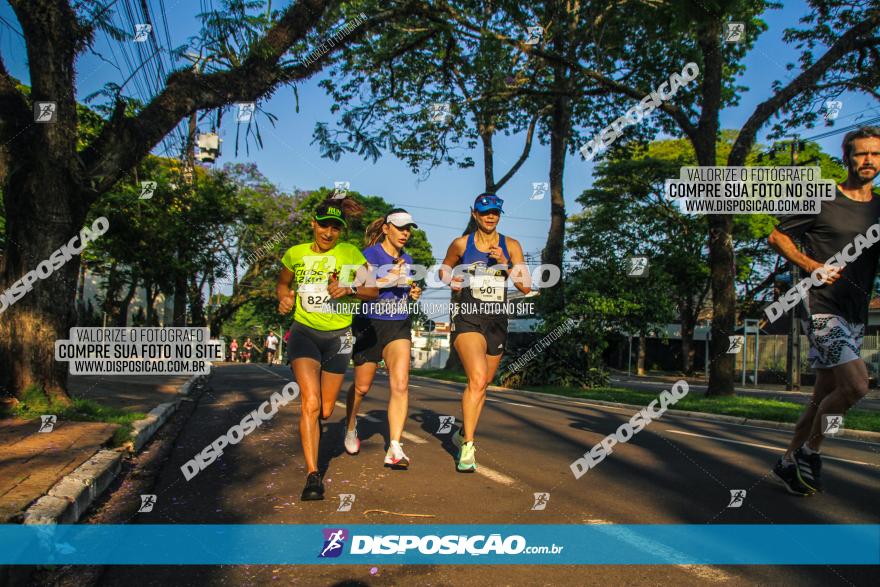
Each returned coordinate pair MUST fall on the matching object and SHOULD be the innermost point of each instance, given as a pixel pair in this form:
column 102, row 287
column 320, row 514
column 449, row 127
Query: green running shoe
column 467, row 462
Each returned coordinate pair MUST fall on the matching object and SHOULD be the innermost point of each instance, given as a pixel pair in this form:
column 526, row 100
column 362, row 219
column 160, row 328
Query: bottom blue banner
column 608, row 544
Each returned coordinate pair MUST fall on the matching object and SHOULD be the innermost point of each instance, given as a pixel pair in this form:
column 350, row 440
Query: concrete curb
column 68, row 499
column 861, row 435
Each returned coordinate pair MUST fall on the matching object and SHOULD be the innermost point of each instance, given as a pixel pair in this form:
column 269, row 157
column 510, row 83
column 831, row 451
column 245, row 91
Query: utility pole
column 189, row 157
column 793, row 367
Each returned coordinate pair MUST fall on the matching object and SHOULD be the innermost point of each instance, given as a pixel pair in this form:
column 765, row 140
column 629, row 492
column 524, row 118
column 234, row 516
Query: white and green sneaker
column 467, row 462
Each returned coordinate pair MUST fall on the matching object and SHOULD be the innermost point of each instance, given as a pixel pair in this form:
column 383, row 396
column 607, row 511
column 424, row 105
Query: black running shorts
column 331, row 348
column 494, row 330
column 372, row 336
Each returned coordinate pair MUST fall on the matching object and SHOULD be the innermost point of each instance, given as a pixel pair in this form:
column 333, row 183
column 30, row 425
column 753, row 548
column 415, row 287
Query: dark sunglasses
column 490, row 201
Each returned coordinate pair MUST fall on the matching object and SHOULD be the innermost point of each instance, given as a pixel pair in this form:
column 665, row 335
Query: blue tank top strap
column 472, row 254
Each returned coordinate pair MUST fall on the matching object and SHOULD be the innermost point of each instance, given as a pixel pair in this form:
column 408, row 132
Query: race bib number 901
column 488, row 288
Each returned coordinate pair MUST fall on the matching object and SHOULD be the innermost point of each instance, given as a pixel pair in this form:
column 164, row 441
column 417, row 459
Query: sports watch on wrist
column 354, row 289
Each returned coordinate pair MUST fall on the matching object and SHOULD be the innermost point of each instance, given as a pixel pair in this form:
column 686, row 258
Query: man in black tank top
column 843, row 234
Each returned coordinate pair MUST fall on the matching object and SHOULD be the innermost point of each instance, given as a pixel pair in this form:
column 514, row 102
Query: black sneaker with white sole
column 788, row 475
column 809, row 468
column 314, row 489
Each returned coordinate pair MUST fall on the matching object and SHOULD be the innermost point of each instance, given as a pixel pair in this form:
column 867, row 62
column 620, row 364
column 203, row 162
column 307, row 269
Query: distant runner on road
column 271, row 347
column 479, row 329
column 383, row 331
column 838, row 310
column 321, row 340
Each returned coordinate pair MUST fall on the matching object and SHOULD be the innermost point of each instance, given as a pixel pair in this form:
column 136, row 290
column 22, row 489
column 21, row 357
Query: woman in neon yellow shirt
column 321, row 342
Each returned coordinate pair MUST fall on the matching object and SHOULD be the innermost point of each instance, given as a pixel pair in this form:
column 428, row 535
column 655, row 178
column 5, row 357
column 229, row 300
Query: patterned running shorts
column 833, row 340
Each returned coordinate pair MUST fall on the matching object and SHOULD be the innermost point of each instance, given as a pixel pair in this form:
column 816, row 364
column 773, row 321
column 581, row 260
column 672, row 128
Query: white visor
column 401, row 220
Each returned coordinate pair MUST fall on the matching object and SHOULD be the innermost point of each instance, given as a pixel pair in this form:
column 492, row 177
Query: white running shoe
column 352, row 442
column 395, row 457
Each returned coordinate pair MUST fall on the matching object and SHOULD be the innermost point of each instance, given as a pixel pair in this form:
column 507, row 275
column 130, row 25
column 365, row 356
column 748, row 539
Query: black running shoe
column 314, row 489
column 788, row 475
column 809, row 469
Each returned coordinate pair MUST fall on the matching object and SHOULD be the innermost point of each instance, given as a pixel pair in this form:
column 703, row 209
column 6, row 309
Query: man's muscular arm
column 783, row 245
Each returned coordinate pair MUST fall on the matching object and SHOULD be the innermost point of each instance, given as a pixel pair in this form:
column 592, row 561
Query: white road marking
column 767, row 446
column 268, row 371
column 494, row 475
column 413, row 438
column 410, row 437
column 706, row 572
column 490, row 399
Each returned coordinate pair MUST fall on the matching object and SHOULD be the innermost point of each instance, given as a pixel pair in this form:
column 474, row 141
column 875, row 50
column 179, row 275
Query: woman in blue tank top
column 484, row 260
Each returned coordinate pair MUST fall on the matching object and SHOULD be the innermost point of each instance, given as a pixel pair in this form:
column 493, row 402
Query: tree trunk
column 643, row 352
column 553, row 299
column 180, row 294
column 151, row 297
column 36, row 226
column 196, row 304
column 687, row 339
column 121, row 317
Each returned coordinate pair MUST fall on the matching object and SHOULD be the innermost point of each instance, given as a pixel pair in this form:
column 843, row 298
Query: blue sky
column 288, row 159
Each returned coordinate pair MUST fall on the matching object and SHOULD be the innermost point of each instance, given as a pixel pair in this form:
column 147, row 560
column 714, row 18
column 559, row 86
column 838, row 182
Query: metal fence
column 773, row 349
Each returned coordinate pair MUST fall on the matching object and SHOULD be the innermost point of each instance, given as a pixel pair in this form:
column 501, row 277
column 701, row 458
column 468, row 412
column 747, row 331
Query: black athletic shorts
column 372, row 335
column 331, row 348
column 494, row 330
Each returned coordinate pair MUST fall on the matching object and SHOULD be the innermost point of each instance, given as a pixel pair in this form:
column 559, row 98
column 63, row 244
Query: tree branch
column 525, row 153
column 125, row 141
column 762, row 113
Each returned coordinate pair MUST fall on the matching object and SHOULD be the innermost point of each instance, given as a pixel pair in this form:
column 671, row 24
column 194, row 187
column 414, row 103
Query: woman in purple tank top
column 383, row 329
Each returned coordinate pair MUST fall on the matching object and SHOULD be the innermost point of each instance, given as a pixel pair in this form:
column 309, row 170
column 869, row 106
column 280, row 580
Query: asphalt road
column 677, row 470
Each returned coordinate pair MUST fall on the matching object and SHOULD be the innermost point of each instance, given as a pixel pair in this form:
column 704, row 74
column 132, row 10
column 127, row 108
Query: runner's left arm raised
column 519, row 273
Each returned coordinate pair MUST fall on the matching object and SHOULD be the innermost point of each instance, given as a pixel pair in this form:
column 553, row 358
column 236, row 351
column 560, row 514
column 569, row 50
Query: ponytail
column 373, row 233
column 471, row 226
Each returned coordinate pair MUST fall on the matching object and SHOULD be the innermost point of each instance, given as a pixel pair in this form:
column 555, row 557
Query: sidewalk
column 31, row 463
